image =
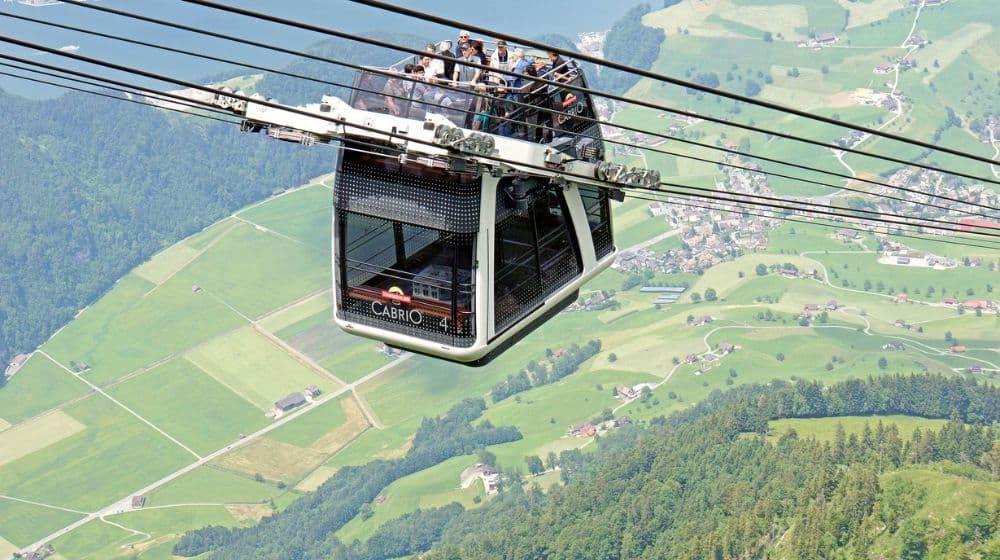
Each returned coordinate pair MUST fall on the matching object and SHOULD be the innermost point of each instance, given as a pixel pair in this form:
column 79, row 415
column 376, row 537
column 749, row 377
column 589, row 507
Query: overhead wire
column 428, row 17
column 649, row 104
column 403, row 77
column 115, row 97
column 701, row 189
column 138, row 93
column 293, row 110
column 632, row 193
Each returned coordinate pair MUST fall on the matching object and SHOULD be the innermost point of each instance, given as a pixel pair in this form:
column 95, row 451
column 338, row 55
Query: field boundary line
column 205, row 370
column 369, row 414
column 122, row 405
column 195, row 257
column 172, row 356
column 264, row 229
column 295, row 354
column 293, row 304
column 40, row 504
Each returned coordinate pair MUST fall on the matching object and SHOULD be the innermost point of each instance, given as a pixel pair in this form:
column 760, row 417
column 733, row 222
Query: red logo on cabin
column 397, row 295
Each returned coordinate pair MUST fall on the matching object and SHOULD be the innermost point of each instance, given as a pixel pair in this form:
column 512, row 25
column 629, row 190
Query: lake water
column 519, row 17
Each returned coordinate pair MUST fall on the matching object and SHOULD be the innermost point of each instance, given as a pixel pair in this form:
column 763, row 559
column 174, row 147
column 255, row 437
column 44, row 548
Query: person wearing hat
column 464, row 72
column 500, row 59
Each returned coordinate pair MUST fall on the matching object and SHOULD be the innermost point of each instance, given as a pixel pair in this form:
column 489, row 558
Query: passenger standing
column 434, row 67
column 501, row 59
column 479, row 53
column 444, row 49
column 464, row 73
column 517, row 65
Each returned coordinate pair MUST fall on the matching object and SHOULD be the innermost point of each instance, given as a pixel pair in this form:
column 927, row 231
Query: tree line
column 306, row 529
column 694, row 485
column 536, row 373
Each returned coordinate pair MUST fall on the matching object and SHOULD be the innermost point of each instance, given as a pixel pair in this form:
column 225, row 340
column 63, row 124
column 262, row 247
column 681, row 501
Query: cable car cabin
column 459, row 261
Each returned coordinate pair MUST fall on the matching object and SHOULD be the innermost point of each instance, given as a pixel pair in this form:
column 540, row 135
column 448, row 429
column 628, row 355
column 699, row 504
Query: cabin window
column 407, row 278
column 535, row 256
column 598, row 208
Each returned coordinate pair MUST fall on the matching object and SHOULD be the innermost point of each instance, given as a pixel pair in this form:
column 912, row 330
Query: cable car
column 456, row 236
column 460, row 262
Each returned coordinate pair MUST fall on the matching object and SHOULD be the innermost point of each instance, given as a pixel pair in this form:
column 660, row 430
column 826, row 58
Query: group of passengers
column 510, row 102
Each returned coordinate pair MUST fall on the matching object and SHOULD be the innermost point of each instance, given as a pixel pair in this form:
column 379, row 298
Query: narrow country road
column 125, row 504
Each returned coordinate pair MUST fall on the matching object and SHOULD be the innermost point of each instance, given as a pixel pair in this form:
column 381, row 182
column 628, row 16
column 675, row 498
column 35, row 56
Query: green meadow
column 23, row 524
column 86, row 471
column 212, row 414
column 48, row 384
column 825, row 429
column 212, row 485
column 254, row 368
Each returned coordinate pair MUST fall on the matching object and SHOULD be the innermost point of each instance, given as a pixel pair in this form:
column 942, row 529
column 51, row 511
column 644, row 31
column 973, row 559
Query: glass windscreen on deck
column 399, row 97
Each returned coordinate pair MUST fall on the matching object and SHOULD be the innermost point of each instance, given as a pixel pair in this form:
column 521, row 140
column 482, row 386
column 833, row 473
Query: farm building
column 958, row 349
column 703, row 320
column 16, row 364
column 725, row 348
column 893, row 346
column 291, row 401
column 626, row 392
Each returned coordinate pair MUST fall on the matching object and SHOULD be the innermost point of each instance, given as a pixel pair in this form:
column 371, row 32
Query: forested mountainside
column 707, row 482
column 91, row 187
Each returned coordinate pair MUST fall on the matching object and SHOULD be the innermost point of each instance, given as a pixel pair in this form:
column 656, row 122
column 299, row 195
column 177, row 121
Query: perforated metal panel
column 413, row 199
column 598, row 208
column 536, row 256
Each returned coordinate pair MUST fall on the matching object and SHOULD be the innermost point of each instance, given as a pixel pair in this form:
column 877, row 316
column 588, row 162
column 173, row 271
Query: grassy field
column 166, row 263
column 303, row 215
column 22, row 524
column 128, row 329
column 48, row 384
column 212, row 417
column 824, row 429
column 944, row 493
column 35, row 434
column 212, row 485
column 434, row 487
column 304, row 310
column 254, row 368
column 346, row 356
column 327, row 429
column 273, row 460
column 256, row 271
column 88, row 470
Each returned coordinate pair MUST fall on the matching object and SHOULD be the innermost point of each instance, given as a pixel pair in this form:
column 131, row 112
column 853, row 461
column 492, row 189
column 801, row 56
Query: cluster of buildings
column 936, row 185
column 721, row 349
column 485, row 473
column 594, row 301
column 819, row 41
column 591, row 430
column 709, row 236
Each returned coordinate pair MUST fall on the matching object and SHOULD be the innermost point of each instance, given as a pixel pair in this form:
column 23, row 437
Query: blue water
column 518, row 17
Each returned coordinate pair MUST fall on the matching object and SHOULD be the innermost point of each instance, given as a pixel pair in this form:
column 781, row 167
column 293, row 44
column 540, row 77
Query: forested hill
column 91, row 187
column 707, row 482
